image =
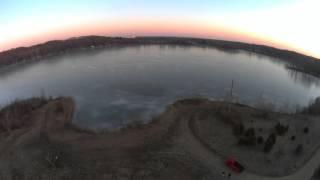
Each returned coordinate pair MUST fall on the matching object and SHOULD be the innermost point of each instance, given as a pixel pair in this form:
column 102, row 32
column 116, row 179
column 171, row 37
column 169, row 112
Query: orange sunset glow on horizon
column 146, row 28
column 159, row 89
column 276, row 23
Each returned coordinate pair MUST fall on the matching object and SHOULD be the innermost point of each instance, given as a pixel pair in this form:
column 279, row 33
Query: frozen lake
column 118, row 85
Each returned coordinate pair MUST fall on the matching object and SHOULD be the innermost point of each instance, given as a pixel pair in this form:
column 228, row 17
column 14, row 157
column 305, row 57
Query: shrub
column 293, row 138
column 260, row 140
column 238, row 129
column 299, row 149
column 250, row 132
column 271, row 140
column 313, row 108
column 281, row 129
column 249, row 138
column 306, row 130
column 59, row 108
column 247, row 141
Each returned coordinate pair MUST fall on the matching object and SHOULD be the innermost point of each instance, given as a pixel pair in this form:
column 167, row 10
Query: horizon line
column 159, row 36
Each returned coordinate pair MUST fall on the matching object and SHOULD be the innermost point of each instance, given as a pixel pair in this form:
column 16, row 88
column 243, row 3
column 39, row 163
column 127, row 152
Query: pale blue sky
column 13, row 10
column 289, row 24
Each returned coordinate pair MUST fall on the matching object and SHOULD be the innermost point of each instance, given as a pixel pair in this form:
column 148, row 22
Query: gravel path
column 215, row 162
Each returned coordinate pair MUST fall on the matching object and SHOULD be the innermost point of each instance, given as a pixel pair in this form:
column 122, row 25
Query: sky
column 286, row 24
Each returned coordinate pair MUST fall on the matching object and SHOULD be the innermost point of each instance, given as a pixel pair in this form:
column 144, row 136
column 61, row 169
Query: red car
column 234, row 165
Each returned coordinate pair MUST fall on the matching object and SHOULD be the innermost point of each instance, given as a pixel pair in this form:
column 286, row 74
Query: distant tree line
column 295, row 60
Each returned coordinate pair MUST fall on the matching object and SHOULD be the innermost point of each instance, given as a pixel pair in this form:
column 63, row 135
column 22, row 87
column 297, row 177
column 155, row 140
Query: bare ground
column 190, row 140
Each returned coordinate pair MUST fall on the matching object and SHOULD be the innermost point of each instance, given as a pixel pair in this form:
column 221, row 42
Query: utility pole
column 231, row 90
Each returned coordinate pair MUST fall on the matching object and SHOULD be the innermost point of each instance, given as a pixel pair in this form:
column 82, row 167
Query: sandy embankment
column 190, row 140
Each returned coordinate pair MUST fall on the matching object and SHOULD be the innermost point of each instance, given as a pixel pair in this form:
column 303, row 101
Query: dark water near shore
column 115, row 86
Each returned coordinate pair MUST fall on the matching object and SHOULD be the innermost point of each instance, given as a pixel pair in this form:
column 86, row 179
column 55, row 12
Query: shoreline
column 182, row 136
column 306, row 64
